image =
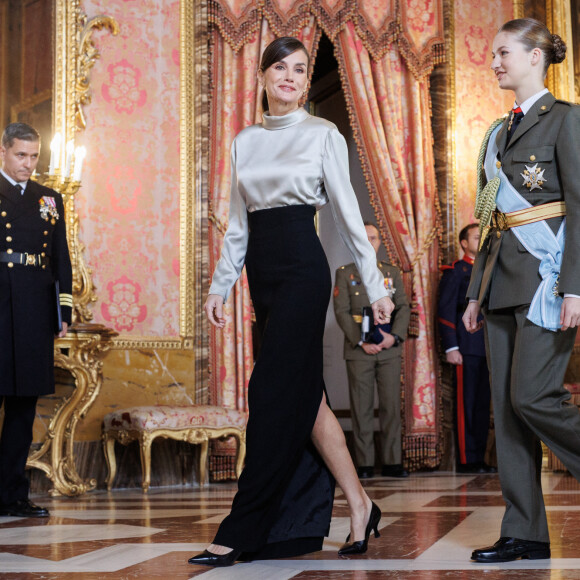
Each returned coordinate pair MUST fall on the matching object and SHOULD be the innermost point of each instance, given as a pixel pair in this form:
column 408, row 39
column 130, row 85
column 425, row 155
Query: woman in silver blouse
column 283, row 170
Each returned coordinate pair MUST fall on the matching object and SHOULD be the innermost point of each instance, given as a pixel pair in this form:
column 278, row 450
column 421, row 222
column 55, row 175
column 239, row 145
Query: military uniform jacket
column 350, row 297
column 27, row 299
column 504, row 273
column 452, row 303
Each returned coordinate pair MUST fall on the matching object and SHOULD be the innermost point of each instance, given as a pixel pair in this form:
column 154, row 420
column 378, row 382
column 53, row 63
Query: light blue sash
column 538, row 239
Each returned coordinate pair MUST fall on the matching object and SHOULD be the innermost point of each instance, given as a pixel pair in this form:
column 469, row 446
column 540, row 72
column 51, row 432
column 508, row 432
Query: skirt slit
column 285, row 493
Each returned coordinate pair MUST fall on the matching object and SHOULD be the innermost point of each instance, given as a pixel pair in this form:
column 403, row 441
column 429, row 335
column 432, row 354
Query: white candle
column 80, row 154
column 54, row 153
column 70, row 148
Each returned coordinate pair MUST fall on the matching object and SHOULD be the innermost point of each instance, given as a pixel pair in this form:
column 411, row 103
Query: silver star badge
column 533, row 177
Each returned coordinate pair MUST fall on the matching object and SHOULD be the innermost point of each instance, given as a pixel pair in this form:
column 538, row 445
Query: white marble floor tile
column 134, row 514
column 111, row 559
column 57, row 534
column 250, row 571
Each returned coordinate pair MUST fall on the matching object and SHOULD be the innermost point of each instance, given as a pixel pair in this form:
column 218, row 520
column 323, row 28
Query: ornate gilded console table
column 80, row 353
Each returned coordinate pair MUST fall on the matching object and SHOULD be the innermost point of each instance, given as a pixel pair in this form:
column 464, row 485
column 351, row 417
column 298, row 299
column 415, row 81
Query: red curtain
column 385, row 51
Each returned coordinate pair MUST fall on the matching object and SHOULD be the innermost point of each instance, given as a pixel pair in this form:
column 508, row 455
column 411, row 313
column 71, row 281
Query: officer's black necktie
column 518, row 115
column 19, row 188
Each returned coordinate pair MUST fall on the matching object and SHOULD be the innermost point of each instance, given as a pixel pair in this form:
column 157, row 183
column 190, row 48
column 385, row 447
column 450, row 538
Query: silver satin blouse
column 294, row 159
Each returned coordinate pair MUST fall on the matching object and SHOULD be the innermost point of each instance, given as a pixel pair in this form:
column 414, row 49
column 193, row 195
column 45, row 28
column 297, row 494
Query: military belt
column 357, row 318
column 505, row 221
column 24, row 259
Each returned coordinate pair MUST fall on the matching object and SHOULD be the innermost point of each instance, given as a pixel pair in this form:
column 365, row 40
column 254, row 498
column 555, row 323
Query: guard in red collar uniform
column 33, row 255
column 467, row 352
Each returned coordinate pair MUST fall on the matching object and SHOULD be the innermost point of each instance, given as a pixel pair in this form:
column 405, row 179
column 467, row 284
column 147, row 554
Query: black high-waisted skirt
column 285, row 493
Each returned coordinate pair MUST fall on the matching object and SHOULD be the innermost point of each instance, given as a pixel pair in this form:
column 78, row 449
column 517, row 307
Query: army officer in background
column 33, row 255
column 378, row 359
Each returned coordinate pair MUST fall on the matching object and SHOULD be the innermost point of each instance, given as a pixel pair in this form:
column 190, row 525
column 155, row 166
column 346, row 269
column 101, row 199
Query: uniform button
column 44, row 245
column 9, row 251
column 356, row 293
column 498, row 164
column 8, row 226
column 3, row 214
column 498, row 234
column 10, row 265
column 45, row 233
column 43, row 254
column 532, row 157
column 43, row 267
column 8, row 238
column 543, row 107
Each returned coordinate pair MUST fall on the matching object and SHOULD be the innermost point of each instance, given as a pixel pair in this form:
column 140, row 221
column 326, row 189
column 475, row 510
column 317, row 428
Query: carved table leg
column 109, row 450
column 203, row 461
column 145, row 448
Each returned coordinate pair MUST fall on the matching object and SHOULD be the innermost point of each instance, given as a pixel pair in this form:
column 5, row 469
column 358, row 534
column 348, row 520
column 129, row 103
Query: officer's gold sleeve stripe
column 66, row 299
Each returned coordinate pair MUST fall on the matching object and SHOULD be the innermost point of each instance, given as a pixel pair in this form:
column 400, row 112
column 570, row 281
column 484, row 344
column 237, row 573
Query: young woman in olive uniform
column 526, row 277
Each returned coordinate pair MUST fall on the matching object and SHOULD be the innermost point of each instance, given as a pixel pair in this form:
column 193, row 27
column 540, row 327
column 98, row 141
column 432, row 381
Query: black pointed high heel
column 218, row 560
column 361, row 546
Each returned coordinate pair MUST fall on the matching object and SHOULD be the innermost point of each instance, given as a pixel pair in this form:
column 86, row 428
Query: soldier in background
column 467, row 353
column 33, row 255
column 378, row 359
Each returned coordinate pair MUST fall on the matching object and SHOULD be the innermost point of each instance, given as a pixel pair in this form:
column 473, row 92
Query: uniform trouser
column 361, row 382
column 15, row 441
column 530, row 403
column 473, row 397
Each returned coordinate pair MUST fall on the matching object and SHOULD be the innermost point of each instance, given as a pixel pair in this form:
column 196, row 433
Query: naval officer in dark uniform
column 466, row 352
column 526, row 276
column 378, row 359
column 33, row 255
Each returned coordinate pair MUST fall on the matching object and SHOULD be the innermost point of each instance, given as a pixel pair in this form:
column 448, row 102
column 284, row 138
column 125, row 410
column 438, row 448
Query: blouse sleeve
column 231, row 262
column 347, row 216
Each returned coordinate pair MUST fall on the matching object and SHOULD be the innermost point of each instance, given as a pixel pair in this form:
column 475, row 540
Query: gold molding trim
column 518, row 8
column 560, row 78
column 152, row 342
column 87, row 56
column 75, row 55
column 187, row 166
column 194, row 165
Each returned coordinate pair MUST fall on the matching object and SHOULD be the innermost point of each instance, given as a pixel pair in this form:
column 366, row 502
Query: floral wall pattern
column 478, row 99
column 130, row 220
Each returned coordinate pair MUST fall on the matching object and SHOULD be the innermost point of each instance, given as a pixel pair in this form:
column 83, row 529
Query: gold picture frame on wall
column 75, row 54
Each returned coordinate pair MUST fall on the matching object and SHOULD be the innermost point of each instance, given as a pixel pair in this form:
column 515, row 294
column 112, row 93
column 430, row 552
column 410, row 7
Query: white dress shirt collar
column 527, row 104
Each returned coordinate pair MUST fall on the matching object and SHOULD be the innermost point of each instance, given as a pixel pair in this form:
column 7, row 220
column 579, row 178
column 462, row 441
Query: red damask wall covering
column 129, row 203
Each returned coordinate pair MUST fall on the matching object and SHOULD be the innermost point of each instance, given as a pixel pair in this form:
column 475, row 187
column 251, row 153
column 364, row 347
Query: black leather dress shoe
column 360, row 547
column 508, row 549
column 23, row 508
column 395, row 470
column 365, row 471
column 219, row 561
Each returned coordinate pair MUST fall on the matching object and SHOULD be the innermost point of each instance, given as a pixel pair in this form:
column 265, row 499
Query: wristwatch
column 398, row 339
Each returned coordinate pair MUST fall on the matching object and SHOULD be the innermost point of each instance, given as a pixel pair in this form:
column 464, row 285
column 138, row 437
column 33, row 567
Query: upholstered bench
column 196, row 424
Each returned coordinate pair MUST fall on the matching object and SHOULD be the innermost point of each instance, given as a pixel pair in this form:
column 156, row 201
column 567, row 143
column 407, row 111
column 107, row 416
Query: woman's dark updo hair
column 275, row 52
column 533, row 34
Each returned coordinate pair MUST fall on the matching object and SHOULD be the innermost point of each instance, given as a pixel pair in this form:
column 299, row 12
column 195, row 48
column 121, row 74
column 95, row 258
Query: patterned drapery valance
column 415, row 25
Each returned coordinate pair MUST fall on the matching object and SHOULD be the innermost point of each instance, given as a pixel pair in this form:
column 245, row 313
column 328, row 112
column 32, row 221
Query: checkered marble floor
column 430, row 524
